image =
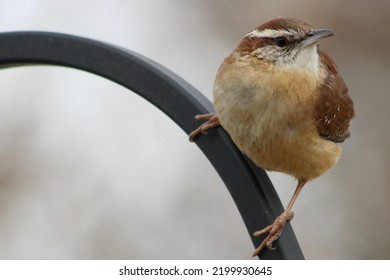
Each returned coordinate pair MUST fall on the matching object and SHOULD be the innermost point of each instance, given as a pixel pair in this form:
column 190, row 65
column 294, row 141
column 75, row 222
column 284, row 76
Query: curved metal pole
column 250, row 187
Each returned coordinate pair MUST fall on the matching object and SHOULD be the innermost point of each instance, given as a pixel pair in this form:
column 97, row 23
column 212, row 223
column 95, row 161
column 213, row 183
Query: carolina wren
column 284, row 105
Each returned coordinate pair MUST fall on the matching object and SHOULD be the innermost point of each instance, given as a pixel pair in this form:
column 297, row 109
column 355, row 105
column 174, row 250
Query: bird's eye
column 281, row 42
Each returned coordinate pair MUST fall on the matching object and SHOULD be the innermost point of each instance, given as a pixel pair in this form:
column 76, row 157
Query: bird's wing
column 334, row 109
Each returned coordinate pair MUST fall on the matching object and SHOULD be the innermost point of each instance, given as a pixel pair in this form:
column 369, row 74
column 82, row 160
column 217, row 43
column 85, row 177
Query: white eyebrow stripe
column 268, row 33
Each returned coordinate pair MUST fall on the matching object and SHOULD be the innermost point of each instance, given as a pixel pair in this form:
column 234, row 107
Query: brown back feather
column 334, row 110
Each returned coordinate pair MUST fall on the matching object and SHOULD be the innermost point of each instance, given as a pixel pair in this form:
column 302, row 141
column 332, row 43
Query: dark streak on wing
column 334, row 110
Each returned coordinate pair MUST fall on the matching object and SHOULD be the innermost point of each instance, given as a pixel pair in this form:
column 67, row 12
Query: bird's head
column 284, row 42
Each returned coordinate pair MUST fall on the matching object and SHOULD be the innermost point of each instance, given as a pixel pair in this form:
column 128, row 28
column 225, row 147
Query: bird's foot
column 274, row 230
column 211, row 121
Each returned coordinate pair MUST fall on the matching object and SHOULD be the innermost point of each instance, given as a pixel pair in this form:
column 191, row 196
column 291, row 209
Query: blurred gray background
column 89, row 170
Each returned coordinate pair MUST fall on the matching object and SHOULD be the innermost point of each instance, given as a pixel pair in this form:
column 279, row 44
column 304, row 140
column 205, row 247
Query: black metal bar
column 250, row 187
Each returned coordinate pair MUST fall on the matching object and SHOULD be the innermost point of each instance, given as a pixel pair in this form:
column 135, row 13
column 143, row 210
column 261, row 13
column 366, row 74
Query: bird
column 284, row 104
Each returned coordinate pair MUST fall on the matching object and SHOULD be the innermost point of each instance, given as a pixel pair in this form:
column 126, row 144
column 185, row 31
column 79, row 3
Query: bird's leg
column 275, row 229
column 211, row 121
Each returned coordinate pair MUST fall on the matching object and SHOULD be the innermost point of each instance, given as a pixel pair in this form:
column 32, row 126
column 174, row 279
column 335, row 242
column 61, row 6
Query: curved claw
column 212, row 121
column 271, row 241
column 268, row 241
column 274, row 230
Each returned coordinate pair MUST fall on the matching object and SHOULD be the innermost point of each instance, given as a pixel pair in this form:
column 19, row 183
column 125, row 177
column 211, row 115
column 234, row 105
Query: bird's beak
column 315, row 36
